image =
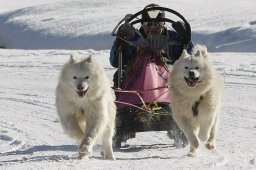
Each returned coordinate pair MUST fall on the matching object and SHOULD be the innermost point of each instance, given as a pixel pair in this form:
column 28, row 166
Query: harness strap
column 195, row 106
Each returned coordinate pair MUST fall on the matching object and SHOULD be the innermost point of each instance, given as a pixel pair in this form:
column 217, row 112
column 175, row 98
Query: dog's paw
column 109, row 157
column 191, row 154
column 84, row 154
column 209, row 145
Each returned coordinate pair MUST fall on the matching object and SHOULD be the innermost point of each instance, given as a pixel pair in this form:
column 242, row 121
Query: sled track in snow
column 10, row 140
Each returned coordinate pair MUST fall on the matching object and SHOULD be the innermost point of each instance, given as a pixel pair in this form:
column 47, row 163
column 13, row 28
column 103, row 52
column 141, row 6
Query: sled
column 143, row 99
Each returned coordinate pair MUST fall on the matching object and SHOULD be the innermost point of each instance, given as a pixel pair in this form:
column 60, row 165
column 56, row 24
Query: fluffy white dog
column 197, row 90
column 85, row 104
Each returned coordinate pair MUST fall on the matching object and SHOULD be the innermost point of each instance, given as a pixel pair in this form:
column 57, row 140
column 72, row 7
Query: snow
column 40, row 35
column 86, row 24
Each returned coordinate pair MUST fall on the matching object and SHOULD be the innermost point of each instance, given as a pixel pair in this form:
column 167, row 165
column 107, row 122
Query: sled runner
column 141, row 87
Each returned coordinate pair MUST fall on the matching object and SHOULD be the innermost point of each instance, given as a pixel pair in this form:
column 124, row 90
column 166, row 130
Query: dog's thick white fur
column 197, row 91
column 85, row 104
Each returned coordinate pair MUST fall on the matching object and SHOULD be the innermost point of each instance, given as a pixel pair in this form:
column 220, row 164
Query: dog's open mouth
column 81, row 93
column 191, row 82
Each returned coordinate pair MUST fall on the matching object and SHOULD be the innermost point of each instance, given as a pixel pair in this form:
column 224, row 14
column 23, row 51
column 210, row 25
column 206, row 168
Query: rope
column 138, row 92
column 159, row 96
column 129, row 104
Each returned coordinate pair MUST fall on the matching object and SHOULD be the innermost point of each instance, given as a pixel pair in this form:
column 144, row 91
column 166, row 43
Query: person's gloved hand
column 126, row 31
column 184, row 36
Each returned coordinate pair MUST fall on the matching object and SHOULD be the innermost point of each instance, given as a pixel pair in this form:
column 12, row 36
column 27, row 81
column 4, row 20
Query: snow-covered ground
column 31, row 136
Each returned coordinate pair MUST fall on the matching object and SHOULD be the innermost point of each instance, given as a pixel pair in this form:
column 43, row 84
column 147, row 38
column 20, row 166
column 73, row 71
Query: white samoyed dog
column 197, row 91
column 85, row 104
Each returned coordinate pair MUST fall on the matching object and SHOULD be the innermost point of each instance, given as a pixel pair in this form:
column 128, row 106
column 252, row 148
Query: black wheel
column 180, row 140
column 117, row 140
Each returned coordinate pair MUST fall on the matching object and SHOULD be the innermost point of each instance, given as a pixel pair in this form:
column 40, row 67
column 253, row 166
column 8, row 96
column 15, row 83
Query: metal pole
column 120, row 65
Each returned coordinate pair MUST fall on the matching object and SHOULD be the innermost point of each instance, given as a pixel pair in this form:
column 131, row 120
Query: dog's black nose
column 80, row 87
column 191, row 74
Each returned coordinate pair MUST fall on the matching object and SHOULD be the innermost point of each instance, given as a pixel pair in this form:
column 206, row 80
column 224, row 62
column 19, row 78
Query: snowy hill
column 31, row 136
column 86, row 24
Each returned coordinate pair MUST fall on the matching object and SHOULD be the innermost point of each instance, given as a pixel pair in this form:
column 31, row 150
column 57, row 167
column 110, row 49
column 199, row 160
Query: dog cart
column 142, row 93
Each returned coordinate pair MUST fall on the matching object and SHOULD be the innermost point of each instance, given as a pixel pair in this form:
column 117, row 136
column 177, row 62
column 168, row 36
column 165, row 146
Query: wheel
column 117, row 141
column 180, row 140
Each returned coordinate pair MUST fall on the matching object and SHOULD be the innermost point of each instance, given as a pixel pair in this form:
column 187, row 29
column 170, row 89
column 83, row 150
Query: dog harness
column 195, row 106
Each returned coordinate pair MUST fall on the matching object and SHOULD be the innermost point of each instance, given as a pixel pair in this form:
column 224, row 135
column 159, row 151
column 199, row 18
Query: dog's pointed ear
column 184, row 53
column 198, row 53
column 73, row 58
column 89, row 59
column 204, row 51
column 201, row 51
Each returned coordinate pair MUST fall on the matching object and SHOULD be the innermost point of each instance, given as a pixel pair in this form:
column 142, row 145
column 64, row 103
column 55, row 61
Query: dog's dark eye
column 196, row 68
column 87, row 77
column 74, row 77
column 186, row 67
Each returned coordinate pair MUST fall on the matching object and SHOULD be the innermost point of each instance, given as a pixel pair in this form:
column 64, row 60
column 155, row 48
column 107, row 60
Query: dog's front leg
column 71, row 127
column 93, row 130
column 107, row 142
column 186, row 125
column 211, row 141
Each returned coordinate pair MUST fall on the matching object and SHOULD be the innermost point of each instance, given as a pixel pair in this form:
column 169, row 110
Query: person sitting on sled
column 144, row 58
column 130, row 52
